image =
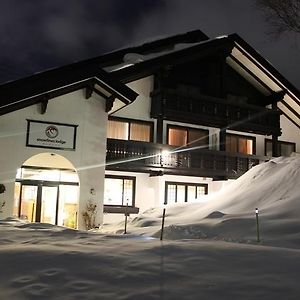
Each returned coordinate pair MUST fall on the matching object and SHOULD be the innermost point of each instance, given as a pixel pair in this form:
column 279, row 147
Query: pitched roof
column 132, row 63
column 52, row 83
column 55, row 82
column 136, row 62
column 259, row 72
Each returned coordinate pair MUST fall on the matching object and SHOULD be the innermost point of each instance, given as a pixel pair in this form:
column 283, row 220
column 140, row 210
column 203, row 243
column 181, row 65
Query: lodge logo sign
column 51, row 132
column 42, row 134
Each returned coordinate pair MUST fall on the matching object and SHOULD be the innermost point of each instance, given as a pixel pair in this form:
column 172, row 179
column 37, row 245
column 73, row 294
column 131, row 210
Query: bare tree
column 281, row 15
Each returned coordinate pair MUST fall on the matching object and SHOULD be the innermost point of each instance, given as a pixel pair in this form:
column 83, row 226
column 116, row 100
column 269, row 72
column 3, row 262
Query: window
column 240, row 144
column 182, row 136
column 284, row 148
column 180, row 192
column 119, row 190
column 123, row 129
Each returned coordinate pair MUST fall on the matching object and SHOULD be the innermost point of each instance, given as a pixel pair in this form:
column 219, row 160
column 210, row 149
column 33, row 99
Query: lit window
column 240, row 144
column 177, row 137
column 119, row 191
column 182, row 136
column 179, row 192
column 117, row 130
column 129, row 130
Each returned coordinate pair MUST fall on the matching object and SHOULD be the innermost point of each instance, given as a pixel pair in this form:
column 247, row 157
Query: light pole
column 257, row 225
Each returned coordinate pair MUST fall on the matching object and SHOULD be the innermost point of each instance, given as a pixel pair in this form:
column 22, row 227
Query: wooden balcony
column 175, row 105
column 158, row 159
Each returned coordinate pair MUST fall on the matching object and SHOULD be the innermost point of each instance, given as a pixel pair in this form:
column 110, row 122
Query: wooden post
column 126, row 214
column 32, row 213
column 222, row 141
column 162, row 224
column 76, row 220
column 275, row 144
column 159, row 130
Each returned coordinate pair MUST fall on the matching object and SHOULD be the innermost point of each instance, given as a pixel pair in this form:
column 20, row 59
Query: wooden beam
column 43, row 107
column 159, row 130
column 222, row 143
column 275, row 144
column 109, row 103
column 89, row 91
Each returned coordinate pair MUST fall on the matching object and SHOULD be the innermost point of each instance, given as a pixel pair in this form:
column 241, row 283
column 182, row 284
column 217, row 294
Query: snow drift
column 272, row 187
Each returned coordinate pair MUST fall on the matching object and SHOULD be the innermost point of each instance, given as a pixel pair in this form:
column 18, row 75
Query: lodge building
column 161, row 123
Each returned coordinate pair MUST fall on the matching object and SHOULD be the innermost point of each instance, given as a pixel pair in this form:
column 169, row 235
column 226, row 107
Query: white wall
column 290, row 132
column 88, row 158
column 140, row 108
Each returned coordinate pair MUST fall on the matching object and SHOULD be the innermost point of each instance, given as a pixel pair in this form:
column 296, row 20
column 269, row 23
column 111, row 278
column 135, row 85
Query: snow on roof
column 130, row 59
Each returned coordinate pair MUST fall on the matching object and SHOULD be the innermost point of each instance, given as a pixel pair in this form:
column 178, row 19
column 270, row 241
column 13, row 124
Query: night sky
column 40, row 34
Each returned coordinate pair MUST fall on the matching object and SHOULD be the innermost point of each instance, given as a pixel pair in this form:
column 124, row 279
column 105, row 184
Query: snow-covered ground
column 209, row 251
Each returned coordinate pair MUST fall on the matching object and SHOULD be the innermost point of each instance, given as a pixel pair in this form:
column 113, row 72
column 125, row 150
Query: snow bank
column 229, row 215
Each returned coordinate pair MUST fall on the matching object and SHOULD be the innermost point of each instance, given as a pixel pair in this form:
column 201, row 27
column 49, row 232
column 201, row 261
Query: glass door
column 67, row 210
column 48, row 204
column 28, row 202
column 51, row 203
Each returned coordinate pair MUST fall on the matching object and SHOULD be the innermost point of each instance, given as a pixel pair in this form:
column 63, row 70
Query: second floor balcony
column 159, row 159
column 175, row 105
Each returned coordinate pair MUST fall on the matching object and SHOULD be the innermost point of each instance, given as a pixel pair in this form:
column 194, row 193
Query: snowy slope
column 273, row 187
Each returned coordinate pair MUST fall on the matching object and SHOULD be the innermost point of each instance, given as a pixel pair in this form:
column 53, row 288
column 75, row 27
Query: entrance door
column 28, row 197
column 39, row 203
column 49, row 204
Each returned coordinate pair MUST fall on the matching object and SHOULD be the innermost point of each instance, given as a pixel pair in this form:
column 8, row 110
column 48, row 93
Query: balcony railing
column 158, row 159
column 172, row 104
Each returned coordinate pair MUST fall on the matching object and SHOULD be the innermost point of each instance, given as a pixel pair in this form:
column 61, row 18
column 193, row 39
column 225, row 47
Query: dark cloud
column 36, row 35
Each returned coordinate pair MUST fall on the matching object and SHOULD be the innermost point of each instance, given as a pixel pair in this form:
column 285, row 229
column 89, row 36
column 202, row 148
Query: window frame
column 122, row 200
column 135, row 121
column 187, row 128
column 249, row 137
column 279, row 143
column 186, row 185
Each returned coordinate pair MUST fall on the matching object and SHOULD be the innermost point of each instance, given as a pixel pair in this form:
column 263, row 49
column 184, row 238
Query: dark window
column 124, row 129
column 284, row 148
column 119, row 190
column 240, row 144
column 180, row 192
column 183, row 136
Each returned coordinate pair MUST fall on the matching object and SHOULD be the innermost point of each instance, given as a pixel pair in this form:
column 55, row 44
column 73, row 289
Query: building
column 207, row 110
